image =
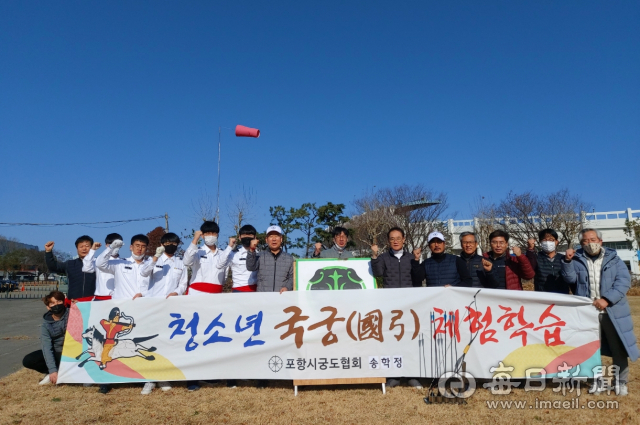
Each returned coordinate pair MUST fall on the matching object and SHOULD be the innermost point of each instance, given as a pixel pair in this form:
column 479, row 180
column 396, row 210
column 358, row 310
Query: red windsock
column 242, row 131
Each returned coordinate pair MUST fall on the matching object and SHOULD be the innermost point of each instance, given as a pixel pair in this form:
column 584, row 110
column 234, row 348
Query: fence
column 31, row 290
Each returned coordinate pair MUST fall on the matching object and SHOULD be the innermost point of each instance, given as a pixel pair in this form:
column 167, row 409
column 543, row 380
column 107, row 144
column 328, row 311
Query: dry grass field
column 24, row 402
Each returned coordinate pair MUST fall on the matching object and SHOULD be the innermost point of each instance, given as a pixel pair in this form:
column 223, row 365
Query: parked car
column 8, row 285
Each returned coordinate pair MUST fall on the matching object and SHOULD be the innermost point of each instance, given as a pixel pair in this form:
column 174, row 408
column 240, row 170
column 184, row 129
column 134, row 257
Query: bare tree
column 523, row 215
column 380, row 210
column 204, row 208
column 240, row 209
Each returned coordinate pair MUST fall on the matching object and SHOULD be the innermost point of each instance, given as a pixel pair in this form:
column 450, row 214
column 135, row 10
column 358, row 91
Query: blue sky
column 111, row 110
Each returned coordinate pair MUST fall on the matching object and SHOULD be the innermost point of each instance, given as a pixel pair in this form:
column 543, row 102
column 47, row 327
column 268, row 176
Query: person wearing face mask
column 82, row 285
column 168, row 278
column 339, row 248
column 128, row 283
column 598, row 273
column 207, row 272
column 104, row 281
column 546, row 263
column 441, row 269
column 52, row 332
column 236, row 259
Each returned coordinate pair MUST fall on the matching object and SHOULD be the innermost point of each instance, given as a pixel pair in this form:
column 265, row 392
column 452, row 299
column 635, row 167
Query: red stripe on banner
column 246, row 288
column 209, row 288
column 102, row 297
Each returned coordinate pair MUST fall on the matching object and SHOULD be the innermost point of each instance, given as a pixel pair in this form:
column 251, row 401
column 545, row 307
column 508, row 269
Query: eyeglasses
column 469, row 243
column 498, row 243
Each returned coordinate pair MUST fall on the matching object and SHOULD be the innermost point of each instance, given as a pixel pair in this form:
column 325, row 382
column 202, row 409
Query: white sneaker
column 148, row 387
column 87, row 385
column 622, row 390
column 415, row 384
column 46, row 380
column 164, row 386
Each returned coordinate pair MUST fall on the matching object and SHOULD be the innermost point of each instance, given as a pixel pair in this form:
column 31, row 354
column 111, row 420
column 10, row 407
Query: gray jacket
column 52, row 338
column 274, row 271
column 333, row 252
column 615, row 281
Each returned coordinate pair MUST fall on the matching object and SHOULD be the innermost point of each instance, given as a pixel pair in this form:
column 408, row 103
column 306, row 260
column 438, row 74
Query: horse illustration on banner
column 105, row 348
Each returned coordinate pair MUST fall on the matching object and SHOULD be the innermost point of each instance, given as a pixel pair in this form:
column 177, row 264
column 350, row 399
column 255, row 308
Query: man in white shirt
column 168, row 278
column 104, row 281
column 128, row 282
column 207, row 273
column 243, row 279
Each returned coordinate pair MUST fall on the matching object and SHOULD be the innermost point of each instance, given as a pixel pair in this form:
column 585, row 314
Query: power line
column 119, row 222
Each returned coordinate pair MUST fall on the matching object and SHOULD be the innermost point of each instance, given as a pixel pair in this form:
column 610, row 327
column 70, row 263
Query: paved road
column 19, row 332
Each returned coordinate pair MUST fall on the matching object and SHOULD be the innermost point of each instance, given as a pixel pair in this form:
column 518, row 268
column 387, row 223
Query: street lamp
column 241, row 131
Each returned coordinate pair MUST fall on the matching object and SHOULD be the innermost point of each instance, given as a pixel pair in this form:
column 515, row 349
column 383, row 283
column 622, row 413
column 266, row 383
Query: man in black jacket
column 546, row 264
column 394, row 266
column 82, row 286
column 476, row 264
column 441, row 269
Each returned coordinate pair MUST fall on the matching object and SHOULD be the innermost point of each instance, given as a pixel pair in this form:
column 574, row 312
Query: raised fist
column 531, row 244
column 48, row 247
column 488, row 265
column 159, row 251
column 374, row 250
column 232, row 242
column 417, row 253
column 117, row 244
column 568, row 256
column 96, row 245
column 318, row 247
column 197, row 235
column 254, row 244
column 516, row 250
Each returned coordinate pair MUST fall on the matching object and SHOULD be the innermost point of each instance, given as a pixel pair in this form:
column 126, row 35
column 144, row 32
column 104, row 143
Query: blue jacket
column 615, row 281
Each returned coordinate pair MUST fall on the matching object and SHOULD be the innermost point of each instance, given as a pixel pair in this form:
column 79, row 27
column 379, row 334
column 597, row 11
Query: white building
column 610, row 223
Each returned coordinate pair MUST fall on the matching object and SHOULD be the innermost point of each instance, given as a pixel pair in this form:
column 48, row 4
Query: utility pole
column 166, row 222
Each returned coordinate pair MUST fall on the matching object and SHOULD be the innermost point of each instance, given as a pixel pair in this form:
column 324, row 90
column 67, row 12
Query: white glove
column 115, row 246
column 159, row 251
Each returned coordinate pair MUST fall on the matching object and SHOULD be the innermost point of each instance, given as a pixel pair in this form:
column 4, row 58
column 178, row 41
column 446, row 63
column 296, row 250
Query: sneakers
column 46, row 380
column 86, row 385
column 623, row 390
column 192, row 386
column 415, row 383
column 104, row 389
column 262, row 383
column 164, row 386
column 392, row 382
column 148, row 387
column 232, row 383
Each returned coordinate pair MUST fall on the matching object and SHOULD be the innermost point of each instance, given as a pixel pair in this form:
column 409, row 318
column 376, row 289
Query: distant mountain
column 8, row 246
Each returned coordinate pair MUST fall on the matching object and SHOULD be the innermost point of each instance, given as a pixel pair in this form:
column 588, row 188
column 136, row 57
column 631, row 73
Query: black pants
column 36, row 361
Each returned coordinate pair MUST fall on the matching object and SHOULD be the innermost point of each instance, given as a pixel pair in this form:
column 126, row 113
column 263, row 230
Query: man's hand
column 48, row 247
column 138, row 295
column 96, row 246
column 531, row 244
column 116, row 245
column 173, row 294
column 159, row 252
column 374, row 251
column 488, row 265
column 254, row 244
column 600, row 304
column 417, row 253
column 568, row 256
column 447, row 286
column 318, row 248
column 196, row 237
column 53, row 377
column 283, row 290
column 516, row 250
column 232, row 242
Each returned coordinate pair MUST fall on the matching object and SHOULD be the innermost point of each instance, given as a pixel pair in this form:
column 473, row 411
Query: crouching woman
column 54, row 326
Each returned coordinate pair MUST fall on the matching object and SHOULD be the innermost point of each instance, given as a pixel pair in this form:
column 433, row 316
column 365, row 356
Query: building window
column 617, row 245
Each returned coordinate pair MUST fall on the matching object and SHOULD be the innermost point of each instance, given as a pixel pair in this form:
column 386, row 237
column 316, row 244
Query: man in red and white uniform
column 104, row 281
column 243, row 279
column 207, row 272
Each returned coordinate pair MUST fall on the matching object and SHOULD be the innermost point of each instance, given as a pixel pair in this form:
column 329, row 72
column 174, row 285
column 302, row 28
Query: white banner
column 413, row 332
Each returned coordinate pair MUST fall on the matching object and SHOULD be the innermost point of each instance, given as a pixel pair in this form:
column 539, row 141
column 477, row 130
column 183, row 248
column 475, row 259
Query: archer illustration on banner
column 104, row 349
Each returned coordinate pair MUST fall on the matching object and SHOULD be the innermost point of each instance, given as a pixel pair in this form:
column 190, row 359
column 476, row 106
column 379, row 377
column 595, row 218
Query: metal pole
column 218, row 197
column 166, row 222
